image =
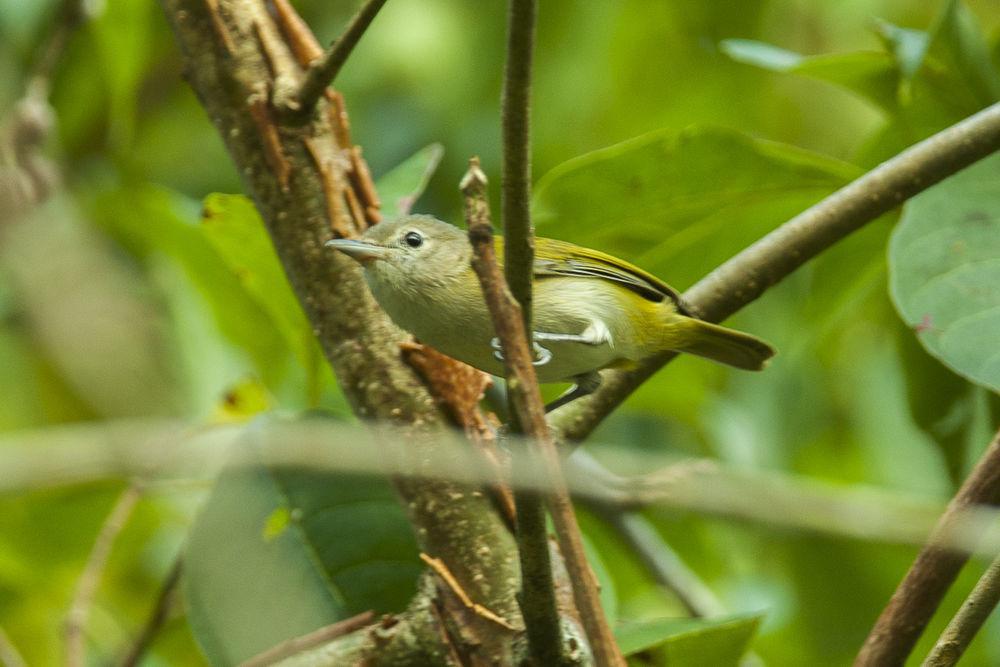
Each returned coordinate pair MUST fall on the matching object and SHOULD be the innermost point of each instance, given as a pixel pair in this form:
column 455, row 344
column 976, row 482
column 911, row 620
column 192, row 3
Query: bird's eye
column 413, row 239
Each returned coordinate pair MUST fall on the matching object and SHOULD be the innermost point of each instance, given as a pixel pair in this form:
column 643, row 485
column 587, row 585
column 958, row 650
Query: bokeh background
column 116, row 303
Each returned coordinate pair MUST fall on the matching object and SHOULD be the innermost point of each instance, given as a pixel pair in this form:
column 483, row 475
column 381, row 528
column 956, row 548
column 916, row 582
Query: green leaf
column 871, row 75
column 958, row 46
column 908, row 46
column 400, row 188
column 761, row 54
column 685, row 641
column 278, row 552
column 679, row 204
column 944, row 260
column 234, row 228
column 154, row 221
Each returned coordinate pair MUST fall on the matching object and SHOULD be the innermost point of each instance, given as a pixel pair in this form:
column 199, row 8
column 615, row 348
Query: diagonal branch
column 920, row 592
column 750, row 273
column 325, row 69
column 970, row 618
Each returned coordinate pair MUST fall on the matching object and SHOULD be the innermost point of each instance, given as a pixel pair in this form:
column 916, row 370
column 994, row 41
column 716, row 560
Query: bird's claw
column 542, row 355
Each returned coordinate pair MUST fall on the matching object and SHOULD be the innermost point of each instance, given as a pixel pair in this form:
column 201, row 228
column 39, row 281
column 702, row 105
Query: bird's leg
column 595, row 334
column 586, row 383
column 542, row 355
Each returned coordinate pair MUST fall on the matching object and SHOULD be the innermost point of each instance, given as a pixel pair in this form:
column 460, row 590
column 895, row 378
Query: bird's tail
column 727, row 346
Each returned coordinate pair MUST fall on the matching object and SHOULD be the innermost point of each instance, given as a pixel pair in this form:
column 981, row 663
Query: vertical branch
column 924, row 586
column 537, row 597
column 515, row 195
column 86, row 588
column 538, row 605
column 970, row 618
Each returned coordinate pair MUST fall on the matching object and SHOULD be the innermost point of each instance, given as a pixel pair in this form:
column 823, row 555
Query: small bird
column 591, row 310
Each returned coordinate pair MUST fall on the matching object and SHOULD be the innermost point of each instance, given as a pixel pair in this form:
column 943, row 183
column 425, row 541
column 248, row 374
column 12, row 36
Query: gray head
column 409, row 251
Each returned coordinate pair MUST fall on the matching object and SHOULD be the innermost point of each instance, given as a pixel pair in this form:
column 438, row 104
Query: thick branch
column 526, row 401
column 970, row 618
column 746, row 276
column 234, row 54
column 920, row 592
column 325, row 69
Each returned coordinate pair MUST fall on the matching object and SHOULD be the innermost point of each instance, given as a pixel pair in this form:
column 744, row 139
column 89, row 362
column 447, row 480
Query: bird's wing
column 557, row 258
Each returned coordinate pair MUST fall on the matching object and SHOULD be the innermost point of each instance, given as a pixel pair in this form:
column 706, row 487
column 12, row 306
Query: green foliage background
column 137, row 292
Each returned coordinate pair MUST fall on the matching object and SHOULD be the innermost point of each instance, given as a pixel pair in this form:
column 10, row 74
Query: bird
column 591, row 311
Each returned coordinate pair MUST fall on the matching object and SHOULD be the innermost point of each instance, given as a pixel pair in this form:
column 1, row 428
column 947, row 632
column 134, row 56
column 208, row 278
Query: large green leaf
column 944, row 261
column 279, row 552
column 685, row 642
column 679, row 204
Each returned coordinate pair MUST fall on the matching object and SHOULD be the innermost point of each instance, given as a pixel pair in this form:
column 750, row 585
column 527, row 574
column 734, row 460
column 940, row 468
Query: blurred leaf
column 761, row 54
column 149, row 221
column 687, row 642
column 685, row 201
column 908, row 46
column 122, row 35
column 958, row 46
column 871, row 75
column 945, row 271
column 86, row 313
column 234, row 228
column 400, row 188
column 279, row 552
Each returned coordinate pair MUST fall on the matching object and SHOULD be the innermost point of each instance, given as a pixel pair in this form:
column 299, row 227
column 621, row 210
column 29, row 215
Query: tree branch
column 538, row 605
column 322, row 71
column 970, row 618
column 361, row 344
column 515, row 185
column 161, row 608
column 538, row 601
column 90, row 579
column 748, row 274
column 920, row 592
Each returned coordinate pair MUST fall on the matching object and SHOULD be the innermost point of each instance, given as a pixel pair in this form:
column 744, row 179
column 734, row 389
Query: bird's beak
column 361, row 251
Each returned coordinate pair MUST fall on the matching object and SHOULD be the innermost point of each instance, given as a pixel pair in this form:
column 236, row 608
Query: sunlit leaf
column 945, row 271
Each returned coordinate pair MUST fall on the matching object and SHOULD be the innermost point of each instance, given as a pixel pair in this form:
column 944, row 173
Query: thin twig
column 9, row 655
column 537, row 597
column 157, row 617
column 661, row 560
column 324, row 70
column 968, row 620
column 296, row 645
column 448, row 578
column 90, row 579
column 515, row 183
column 747, row 275
column 526, row 401
column 920, row 592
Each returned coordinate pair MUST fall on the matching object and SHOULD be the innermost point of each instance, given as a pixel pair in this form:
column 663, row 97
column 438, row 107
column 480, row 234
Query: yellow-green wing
column 559, row 258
